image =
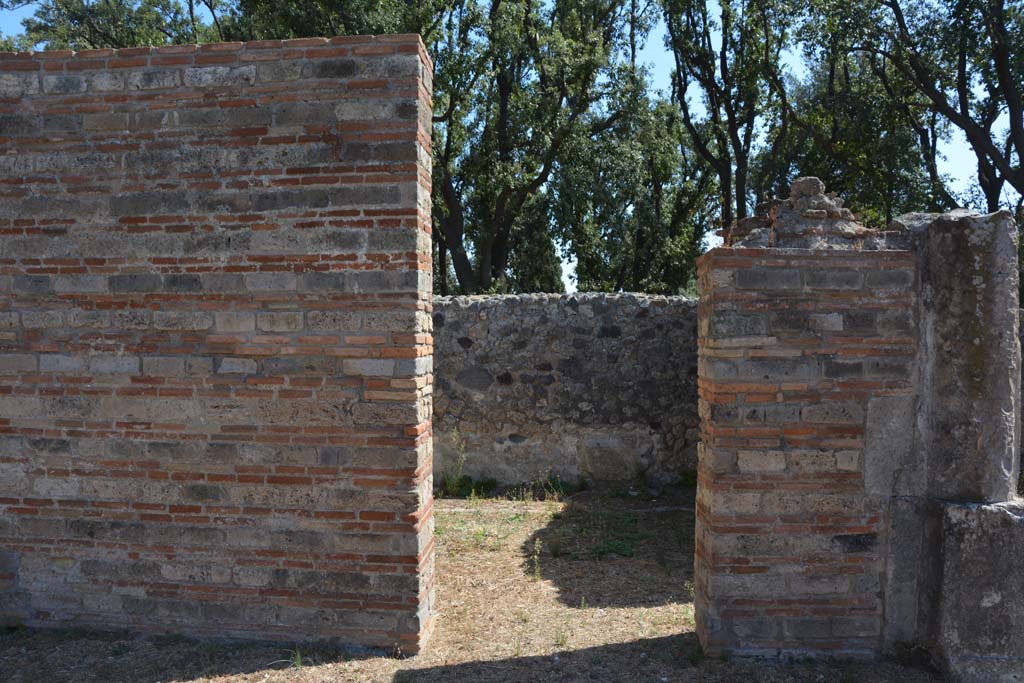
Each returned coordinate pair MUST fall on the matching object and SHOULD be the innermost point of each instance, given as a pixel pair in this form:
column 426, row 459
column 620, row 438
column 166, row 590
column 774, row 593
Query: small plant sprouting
column 583, row 602
column 294, row 660
column 456, row 484
column 452, row 476
column 538, row 546
column 561, row 637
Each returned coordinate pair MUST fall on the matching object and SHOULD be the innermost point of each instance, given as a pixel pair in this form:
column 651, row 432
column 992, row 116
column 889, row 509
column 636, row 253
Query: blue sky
column 958, row 163
column 10, row 20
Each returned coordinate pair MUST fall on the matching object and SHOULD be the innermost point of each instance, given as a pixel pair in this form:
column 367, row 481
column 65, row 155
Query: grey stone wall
column 592, row 386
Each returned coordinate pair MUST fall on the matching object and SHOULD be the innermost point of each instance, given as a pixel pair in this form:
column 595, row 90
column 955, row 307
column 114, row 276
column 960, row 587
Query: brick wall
column 592, row 386
column 799, row 353
column 215, row 342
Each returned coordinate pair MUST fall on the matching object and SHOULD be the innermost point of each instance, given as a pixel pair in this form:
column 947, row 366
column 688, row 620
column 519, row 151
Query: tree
column 851, row 124
column 966, row 58
column 501, row 123
column 729, row 79
column 259, row 19
column 88, row 24
column 632, row 201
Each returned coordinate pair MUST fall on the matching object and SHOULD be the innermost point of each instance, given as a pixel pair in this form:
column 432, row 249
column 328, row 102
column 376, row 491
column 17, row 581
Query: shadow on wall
column 582, row 550
column 650, row 659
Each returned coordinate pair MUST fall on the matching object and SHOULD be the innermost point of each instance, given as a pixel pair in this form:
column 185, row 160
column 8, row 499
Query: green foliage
column 515, row 83
column 294, row 660
column 613, row 546
column 630, row 200
column 959, row 60
column 860, row 145
column 726, row 83
column 465, row 486
column 258, row 19
column 85, row 24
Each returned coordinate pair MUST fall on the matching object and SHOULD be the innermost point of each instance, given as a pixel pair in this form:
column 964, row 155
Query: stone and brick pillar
column 215, row 341
column 807, row 367
column 859, row 401
column 794, row 345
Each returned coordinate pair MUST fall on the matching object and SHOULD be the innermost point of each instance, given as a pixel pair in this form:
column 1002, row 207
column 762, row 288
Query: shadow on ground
column 669, row 659
column 73, row 656
column 653, row 659
column 617, row 549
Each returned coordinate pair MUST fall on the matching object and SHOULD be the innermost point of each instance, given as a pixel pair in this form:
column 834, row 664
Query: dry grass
column 591, row 590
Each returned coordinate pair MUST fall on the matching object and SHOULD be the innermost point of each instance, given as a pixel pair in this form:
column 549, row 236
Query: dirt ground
column 597, row 588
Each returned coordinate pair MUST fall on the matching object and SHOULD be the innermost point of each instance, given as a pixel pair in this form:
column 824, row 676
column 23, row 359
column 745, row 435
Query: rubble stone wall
column 215, row 349
column 593, row 386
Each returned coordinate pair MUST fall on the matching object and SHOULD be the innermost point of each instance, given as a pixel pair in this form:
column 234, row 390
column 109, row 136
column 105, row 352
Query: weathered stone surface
column 970, row 388
column 598, row 386
column 892, row 466
column 981, row 620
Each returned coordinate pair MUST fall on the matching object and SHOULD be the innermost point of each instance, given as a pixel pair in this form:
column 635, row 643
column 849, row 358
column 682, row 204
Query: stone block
column 761, row 461
column 369, row 367
column 833, row 412
column 139, row 282
column 233, row 366
column 55, row 362
column 234, row 321
column 17, row 363
column 889, row 279
column 15, row 85
column 972, row 368
column 153, row 79
column 114, row 365
column 892, row 464
column 182, row 320
column 768, row 278
column 833, row 279
column 161, row 366
column 220, row 76
column 981, row 613
column 290, row 321
column 63, row 84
